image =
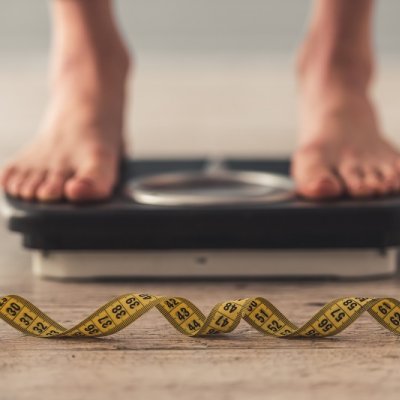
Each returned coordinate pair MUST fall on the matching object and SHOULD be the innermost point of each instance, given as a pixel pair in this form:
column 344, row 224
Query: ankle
column 104, row 63
column 346, row 67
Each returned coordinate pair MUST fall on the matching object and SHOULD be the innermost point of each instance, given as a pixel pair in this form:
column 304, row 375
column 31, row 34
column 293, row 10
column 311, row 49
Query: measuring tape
column 185, row 317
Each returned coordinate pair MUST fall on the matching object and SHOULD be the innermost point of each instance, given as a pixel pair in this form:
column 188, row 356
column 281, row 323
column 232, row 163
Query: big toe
column 314, row 178
column 94, row 183
column 322, row 185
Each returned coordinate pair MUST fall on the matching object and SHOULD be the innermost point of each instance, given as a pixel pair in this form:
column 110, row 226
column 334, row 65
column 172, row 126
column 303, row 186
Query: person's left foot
column 341, row 149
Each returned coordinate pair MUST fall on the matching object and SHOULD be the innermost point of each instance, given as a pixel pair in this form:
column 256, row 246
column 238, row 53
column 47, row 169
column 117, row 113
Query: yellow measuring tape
column 184, row 316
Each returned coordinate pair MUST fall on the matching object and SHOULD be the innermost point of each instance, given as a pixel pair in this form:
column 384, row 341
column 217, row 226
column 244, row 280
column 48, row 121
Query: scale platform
column 286, row 237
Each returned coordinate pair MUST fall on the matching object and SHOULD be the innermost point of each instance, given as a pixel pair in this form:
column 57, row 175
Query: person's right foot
column 77, row 152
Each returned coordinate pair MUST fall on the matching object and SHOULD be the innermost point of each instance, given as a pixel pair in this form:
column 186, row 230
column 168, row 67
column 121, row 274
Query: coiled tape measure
column 185, row 317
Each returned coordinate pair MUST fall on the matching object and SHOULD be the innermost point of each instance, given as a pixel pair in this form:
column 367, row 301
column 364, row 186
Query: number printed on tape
column 189, row 320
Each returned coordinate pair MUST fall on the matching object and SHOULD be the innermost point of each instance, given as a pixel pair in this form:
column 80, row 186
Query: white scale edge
column 215, row 263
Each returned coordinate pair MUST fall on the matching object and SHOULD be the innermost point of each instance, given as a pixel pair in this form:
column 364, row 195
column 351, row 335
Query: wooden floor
column 150, row 359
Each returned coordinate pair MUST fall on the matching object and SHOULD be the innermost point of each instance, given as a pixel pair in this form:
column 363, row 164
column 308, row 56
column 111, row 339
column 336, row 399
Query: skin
column 76, row 153
column 341, row 148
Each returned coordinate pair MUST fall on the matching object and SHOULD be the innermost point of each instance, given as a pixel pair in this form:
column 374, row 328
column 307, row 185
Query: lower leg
column 77, row 151
column 341, row 149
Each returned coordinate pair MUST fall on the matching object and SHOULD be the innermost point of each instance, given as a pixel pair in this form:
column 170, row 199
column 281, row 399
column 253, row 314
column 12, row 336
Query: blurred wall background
column 212, row 76
column 209, row 26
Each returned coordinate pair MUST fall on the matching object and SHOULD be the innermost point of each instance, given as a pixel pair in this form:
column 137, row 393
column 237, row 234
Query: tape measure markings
column 187, row 318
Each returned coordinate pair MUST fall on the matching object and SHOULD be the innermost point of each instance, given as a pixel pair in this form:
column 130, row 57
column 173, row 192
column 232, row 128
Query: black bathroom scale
column 183, row 218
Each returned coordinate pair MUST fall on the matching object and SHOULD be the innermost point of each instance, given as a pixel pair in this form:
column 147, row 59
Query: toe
column 353, row 177
column 52, row 188
column 389, row 177
column 15, row 182
column 96, row 182
column 30, row 185
column 323, row 185
column 397, row 170
column 374, row 182
column 314, row 178
column 86, row 188
column 6, row 174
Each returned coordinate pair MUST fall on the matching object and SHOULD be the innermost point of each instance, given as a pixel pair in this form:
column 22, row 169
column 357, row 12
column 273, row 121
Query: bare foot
column 341, row 149
column 77, row 152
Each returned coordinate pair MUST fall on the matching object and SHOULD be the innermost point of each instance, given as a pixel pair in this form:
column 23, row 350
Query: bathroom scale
column 196, row 219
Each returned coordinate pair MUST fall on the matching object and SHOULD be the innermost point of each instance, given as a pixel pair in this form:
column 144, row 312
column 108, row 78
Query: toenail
column 324, row 183
column 48, row 197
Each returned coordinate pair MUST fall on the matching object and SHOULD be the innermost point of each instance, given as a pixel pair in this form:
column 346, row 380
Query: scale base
column 174, row 264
